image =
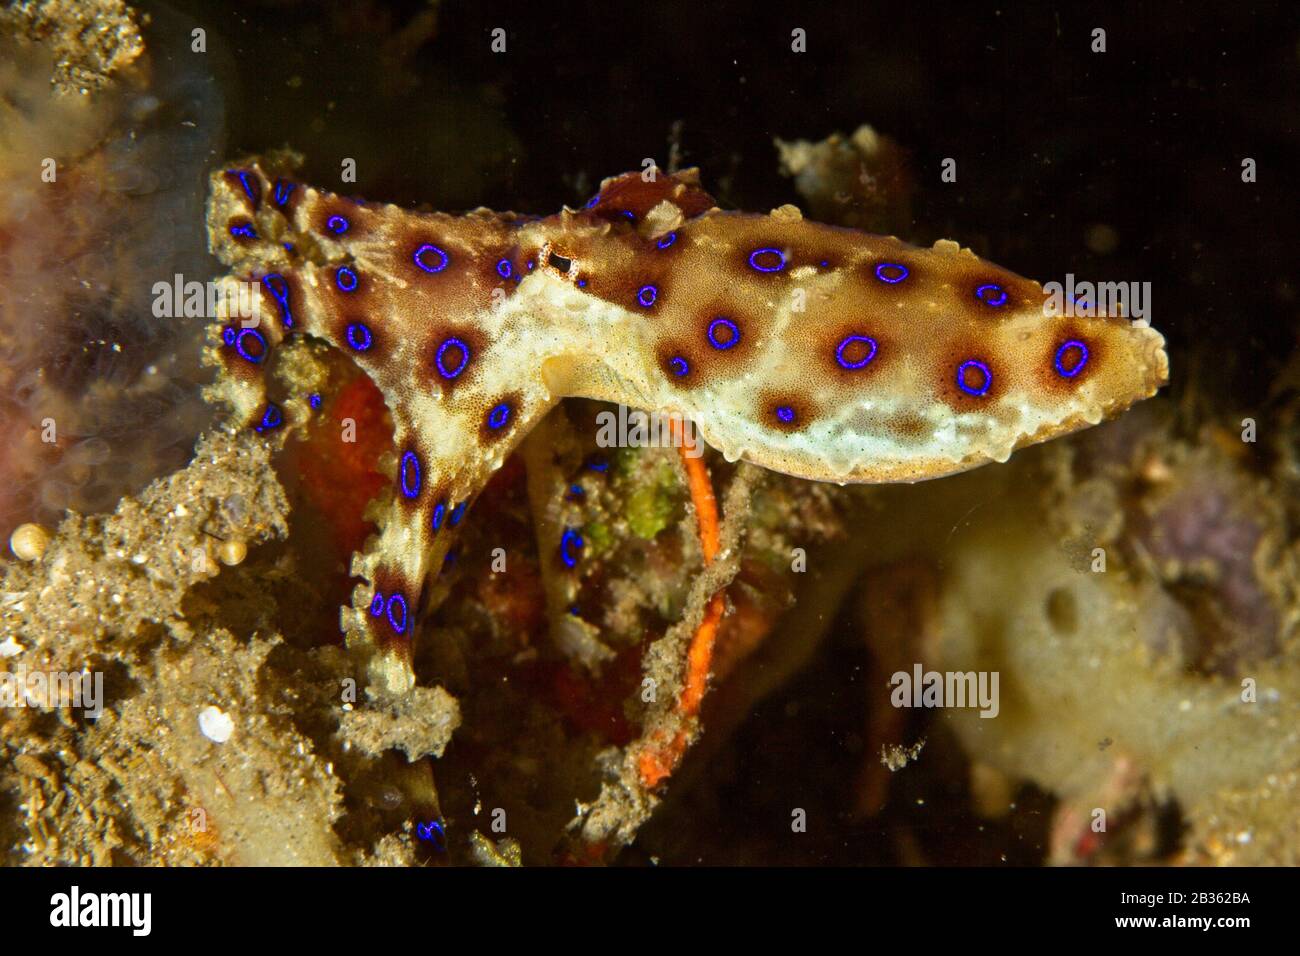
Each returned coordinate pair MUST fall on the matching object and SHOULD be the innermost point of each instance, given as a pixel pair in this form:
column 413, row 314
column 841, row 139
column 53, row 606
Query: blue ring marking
column 997, row 298
column 457, row 513
column 598, row 464
column 346, row 279
column 663, row 242
column 582, row 283
column 432, row 832
column 961, row 378
column 592, row 201
column 282, row 191
column 631, row 216
column 313, row 400
column 727, row 324
column 504, row 268
column 679, row 366
column 228, row 335
column 396, row 600
column 451, row 342
column 337, row 225
column 281, row 295
column 499, row 416
column 359, row 337
column 377, row 604
column 242, row 349
column 425, row 250
column 646, row 295
column 577, row 491
column 1078, row 366
column 861, row 363
column 785, row 413
column 439, row 510
column 271, row 418
column 900, row 272
column 410, row 485
column 252, row 189
column 244, row 230
column 570, row 542
column 753, row 256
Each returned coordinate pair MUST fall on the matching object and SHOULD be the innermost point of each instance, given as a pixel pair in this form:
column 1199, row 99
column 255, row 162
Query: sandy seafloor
column 199, row 569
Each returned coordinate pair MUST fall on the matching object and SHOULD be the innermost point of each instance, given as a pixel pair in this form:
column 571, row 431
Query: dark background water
column 1050, row 140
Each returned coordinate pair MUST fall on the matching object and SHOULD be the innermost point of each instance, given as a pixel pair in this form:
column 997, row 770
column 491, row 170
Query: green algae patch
column 598, row 537
column 651, row 505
